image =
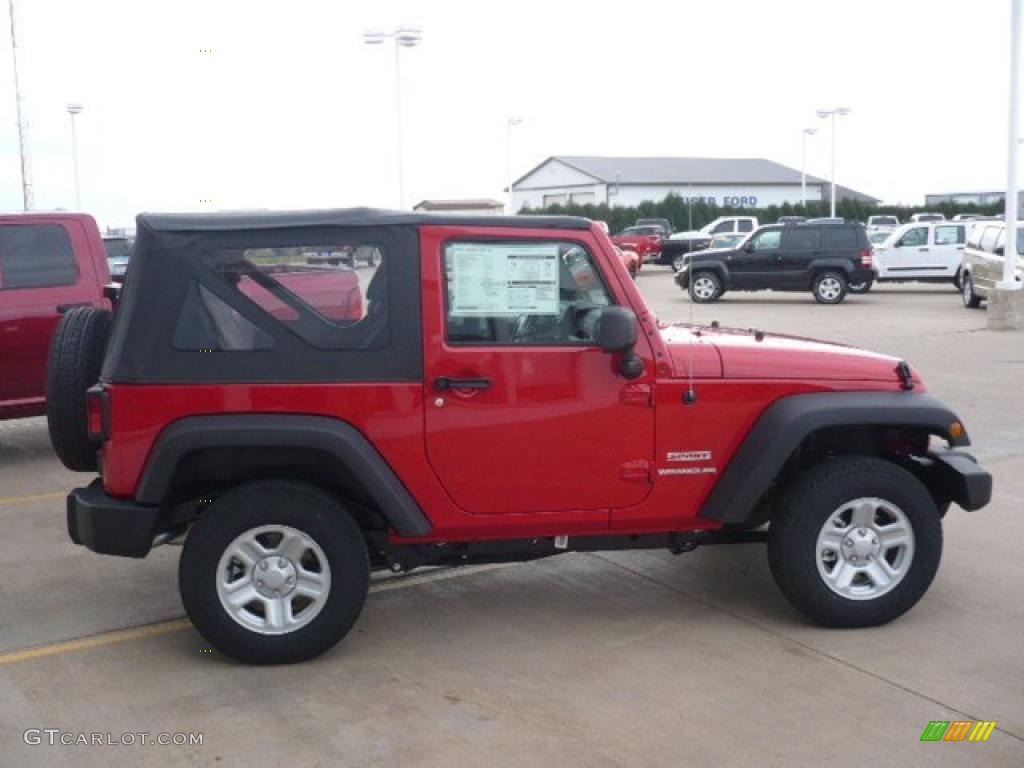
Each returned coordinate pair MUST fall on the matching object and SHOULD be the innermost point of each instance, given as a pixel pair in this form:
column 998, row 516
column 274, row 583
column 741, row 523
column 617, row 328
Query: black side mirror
column 999, row 251
column 617, row 333
column 616, row 329
column 749, row 247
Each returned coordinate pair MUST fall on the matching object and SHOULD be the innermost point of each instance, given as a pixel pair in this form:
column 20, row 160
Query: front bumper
column 110, row 526
column 682, row 277
column 955, row 475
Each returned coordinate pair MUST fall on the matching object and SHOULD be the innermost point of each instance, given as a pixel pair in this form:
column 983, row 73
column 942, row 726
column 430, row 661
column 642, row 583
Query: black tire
column 267, row 503
column 829, row 287
column 970, row 298
column 863, row 287
column 809, row 504
column 705, row 287
column 956, row 280
column 76, row 356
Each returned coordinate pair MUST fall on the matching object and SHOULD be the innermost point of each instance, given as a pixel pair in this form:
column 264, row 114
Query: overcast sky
column 292, row 109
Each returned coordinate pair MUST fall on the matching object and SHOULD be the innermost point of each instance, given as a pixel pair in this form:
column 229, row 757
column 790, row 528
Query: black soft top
column 341, row 217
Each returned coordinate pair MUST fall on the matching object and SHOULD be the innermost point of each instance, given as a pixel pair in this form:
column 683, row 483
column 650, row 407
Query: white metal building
column 628, row 181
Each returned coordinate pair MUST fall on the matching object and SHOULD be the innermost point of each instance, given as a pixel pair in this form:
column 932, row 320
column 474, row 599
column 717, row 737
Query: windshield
column 727, row 241
column 118, row 248
column 877, row 238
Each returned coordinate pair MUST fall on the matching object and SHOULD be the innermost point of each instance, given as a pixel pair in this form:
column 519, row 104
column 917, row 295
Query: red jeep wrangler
column 502, row 394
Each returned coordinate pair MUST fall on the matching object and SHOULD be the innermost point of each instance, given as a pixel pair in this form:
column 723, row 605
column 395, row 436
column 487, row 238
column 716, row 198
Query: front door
column 524, row 413
column 757, row 263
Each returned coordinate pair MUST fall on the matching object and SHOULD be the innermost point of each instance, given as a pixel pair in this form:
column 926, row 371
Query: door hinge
column 637, row 394
column 636, row 470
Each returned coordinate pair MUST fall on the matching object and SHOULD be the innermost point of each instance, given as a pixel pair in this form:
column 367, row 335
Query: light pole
column 823, row 113
column 509, row 125
column 27, row 197
column 74, row 109
column 404, row 37
column 803, row 165
column 1009, row 281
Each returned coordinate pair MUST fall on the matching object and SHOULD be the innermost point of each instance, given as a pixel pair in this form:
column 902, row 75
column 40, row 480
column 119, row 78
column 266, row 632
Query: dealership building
column 629, row 181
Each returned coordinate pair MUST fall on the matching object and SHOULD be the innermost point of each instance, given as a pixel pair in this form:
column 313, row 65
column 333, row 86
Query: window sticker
column 503, row 279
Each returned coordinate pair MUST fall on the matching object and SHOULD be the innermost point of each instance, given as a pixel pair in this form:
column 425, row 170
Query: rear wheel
column 829, row 288
column 855, row 542
column 76, row 356
column 274, row 572
column 970, row 298
column 705, row 287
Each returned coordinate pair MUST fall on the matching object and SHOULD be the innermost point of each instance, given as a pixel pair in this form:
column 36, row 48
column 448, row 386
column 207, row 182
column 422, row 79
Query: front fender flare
column 782, row 426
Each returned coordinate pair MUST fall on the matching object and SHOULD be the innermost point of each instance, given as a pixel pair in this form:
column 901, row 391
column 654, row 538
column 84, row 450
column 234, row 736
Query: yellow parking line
column 177, row 625
column 34, row 497
column 95, row 641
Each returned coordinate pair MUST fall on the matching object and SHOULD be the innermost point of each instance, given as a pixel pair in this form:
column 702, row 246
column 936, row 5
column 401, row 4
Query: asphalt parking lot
column 592, row 659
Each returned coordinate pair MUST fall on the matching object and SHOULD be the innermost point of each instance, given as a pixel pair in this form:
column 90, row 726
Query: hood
column 750, row 354
column 693, row 234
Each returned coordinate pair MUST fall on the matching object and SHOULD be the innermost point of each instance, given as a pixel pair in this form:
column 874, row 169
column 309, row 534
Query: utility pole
column 27, row 196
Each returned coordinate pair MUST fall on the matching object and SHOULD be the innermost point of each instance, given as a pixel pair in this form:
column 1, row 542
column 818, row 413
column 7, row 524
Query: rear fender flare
column 335, row 437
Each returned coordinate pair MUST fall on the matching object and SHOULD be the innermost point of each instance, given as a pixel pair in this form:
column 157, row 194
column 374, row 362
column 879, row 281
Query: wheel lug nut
column 848, row 542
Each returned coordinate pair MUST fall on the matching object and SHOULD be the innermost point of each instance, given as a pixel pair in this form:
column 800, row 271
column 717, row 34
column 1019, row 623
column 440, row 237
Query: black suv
column 826, row 259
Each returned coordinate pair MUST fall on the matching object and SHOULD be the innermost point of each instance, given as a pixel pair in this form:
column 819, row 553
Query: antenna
column 690, row 395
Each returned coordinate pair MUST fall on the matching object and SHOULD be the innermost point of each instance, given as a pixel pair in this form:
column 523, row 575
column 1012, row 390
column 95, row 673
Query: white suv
column 927, row 251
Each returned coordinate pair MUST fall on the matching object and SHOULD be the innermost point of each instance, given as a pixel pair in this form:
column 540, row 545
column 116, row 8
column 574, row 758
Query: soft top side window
column 314, row 290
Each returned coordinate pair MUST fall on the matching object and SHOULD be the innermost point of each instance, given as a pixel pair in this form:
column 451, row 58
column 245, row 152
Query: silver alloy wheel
column 968, row 289
column 273, row 579
column 829, row 288
column 677, row 262
column 865, row 548
column 704, row 288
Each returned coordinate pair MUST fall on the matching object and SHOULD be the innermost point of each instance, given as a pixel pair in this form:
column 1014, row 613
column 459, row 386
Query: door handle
column 442, row 383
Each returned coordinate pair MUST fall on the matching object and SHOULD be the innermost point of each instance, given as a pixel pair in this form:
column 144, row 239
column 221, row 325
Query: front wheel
column 970, row 298
column 705, row 287
column 678, row 261
column 274, row 572
column 829, row 288
column 855, row 542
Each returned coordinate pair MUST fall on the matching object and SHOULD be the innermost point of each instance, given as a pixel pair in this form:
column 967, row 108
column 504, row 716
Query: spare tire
column 76, row 355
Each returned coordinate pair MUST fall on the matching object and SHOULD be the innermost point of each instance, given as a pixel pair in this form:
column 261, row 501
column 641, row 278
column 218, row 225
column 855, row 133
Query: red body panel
column 560, row 443
column 28, row 316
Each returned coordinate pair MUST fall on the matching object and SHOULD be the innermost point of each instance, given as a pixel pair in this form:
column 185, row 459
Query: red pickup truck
column 645, row 241
column 49, row 263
